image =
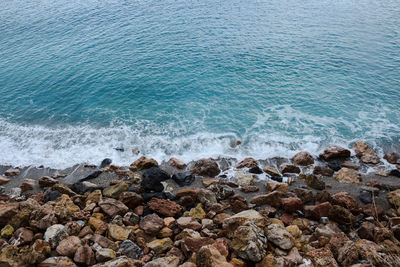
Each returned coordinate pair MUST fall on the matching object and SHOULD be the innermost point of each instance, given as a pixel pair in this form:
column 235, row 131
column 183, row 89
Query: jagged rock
column 143, row 163
column 324, row 171
column 27, row 185
column 197, row 212
column 116, row 190
column 313, row 181
column 54, row 234
column 279, row 236
column 188, row 222
column 247, row 163
column 377, row 255
column 289, row 168
column 130, row 249
column 7, row 231
column 105, row 254
column 271, row 171
column 22, row 236
column 341, row 215
column 131, row 199
column 231, row 223
column 315, row 212
column 348, row 176
column 248, row 242
column 292, row 204
column 322, row 257
column 303, row 158
column 165, row 207
column 112, row 207
column 209, row 256
column 221, row 191
column 177, row 163
column 305, row 195
column 273, row 199
column 365, row 153
column 345, row 200
column 117, row 232
column 245, row 179
column 206, row 167
column 335, row 152
column 47, row 181
column 68, row 246
column 392, row 157
column 394, row 197
column 84, row 255
column 160, row 245
column 277, row 186
column 152, row 179
column 152, row 224
column 183, row 178
column 206, row 196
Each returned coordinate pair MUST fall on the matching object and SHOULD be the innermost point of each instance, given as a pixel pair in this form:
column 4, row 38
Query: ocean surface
column 79, row 78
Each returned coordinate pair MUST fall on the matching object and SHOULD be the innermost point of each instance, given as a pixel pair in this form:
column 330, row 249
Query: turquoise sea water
column 187, row 78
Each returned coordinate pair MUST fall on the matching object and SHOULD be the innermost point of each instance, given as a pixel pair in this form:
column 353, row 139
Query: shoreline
column 335, row 192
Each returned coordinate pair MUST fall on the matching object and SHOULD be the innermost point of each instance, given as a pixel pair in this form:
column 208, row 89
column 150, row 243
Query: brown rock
column 165, row 207
column 3, row 180
column 347, row 175
column 27, row 185
column 365, row 153
column 392, row 157
column 366, row 231
column 373, row 210
column 103, row 241
column 350, row 165
column 273, row 199
column 47, row 181
column 151, row 224
column 250, row 189
column 68, row 246
column 193, row 244
column 247, row 163
column 275, row 186
column 143, row 163
column 322, row 197
column 131, row 199
column 22, row 236
column 219, row 218
column 207, row 181
column 7, row 211
column 206, row 167
column 315, row 212
column 289, row 168
column 335, row 152
column 188, row 222
column 322, row 257
column 177, row 163
column 303, row 158
column 271, row 171
column 209, row 256
column 84, row 255
column 292, row 204
column 341, row 215
column 313, row 181
column 12, row 172
column 305, row 195
column 324, row 171
column 345, row 200
column 112, row 207
column 348, row 254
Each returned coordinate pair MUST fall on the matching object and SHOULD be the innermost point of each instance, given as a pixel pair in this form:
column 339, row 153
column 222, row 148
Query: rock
column 279, row 236
column 131, row 199
column 116, row 190
column 83, row 187
column 112, row 207
column 305, row 195
column 188, row 222
column 183, row 178
column 12, row 172
column 273, row 199
column 118, row 262
column 207, row 181
column 247, row 163
column 197, row 212
column 193, row 244
column 292, row 204
column 3, row 180
column 313, row 181
column 365, row 196
column 152, row 224
column 335, row 152
column 375, row 255
column 103, row 241
column 117, row 232
column 394, row 197
column 248, row 242
column 57, row 261
column 205, row 167
column 68, row 246
column 209, row 256
column 7, row 231
column 341, row 215
column 22, row 236
column 164, row 207
column 271, row 171
column 322, row 257
column 392, row 157
column 245, row 179
column 324, row 171
column 221, row 191
column 27, row 185
column 395, row 172
column 63, row 189
column 177, row 163
column 152, row 179
column 250, row 189
column 143, row 163
column 345, row 200
column 105, row 254
column 93, row 197
column 47, row 181
column 365, row 153
column 276, row 186
column 255, row 170
column 130, row 249
column 54, row 234
column 347, row 175
column 289, row 168
column 171, row 261
column 160, row 245
column 303, row 158
column 231, row 223
column 84, row 255
column 315, row 212
column 206, row 196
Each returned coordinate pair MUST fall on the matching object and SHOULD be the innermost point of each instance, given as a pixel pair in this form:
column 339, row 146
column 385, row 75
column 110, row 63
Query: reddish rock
column 177, row 163
column 188, row 222
column 131, row 199
column 315, row 212
column 219, row 218
column 292, row 204
column 381, row 234
column 286, row 218
column 84, row 255
column 165, row 207
column 366, row 231
column 321, row 257
column 247, row 163
column 373, row 210
column 239, row 206
column 12, row 172
column 345, row 200
column 47, row 181
column 289, row 168
column 305, row 195
column 193, row 244
column 322, row 196
column 250, row 189
column 112, row 207
column 206, row 167
column 335, row 152
column 341, row 215
column 273, row 199
column 27, row 185
column 303, row 158
column 151, row 224
column 268, row 211
column 324, row 171
column 68, row 246
column 365, row 153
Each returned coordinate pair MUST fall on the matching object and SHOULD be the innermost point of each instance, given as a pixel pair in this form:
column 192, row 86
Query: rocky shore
column 340, row 208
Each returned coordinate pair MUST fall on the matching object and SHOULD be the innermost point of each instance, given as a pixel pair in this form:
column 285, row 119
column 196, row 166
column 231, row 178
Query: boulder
column 231, row 223
column 247, row 163
column 277, row 186
column 313, row 181
column 152, row 179
column 305, row 195
column 206, row 167
column 143, row 163
column 365, row 153
column 335, row 152
column 165, row 207
column 303, row 158
column 194, row 244
column 271, row 171
column 347, row 175
column 341, row 215
column 22, row 236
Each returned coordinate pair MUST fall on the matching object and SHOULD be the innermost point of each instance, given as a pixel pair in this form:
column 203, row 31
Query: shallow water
column 187, row 78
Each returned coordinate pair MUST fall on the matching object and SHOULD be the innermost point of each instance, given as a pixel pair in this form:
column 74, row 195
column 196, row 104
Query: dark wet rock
column 51, row 195
column 289, row 168
column 152, row 179
column 165, row 207
column 395, row 172
column 105, row 162
column 247, row 163
column 365, row 153
column 183, row 178
column 303, row 158
column 206, row 167
column 335, row 152
column 143, row 163
column 365, row 196
column 130, row 249
column 392, row 157
column 255, row 170
column 277, row 178
column 324, row 171
column 161, row 195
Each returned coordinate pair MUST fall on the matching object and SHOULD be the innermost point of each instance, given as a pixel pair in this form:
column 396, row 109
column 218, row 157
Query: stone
column 221, row 191
column 375, row 255
column 305, row 195
column 365, row 196
column 160, row 245
column 93, row 197
column 39, row 252
column 209, row 256
column 313, row 181
column 197, row 212
column 248, row 242
column 207, row 181
column 322, row 257
column 84, row 255
column 345, row 200
column 22, row 236
column 188, row 222
column 152, row 178
column 255, row 170
column 117, row 232
column 206, row 196
column 112, row 207
column 206, row 167
column 96, row 223
column 341, row 215
column 103, row 241
column 315, row 212
column 289, row 168
column 335, row 152
column 171, row 261
column 294, row 230
column 54, row 234
column 365, row 153
column 131, row 199
column 347, row 175
column 118, row 262
column 105, row 254
column 279, row 236
column 130, row 249
column 61, row 261
column 151, row 224
column 292, row 204
column 303, row 158
column 177, row 163
column 271, row 171
column 68, row 246
column 277, row 186
column 12, row 172
column 186, row 197
column 245, row 179
column 247, row 163
column 193, row 244
column 231, row 223
column 63, row 189
column 47, row 181
column 7, row 231
column 250, row 189
column 27, row 184
column 392, row 157
column 143, row 163
column 4, row 180
column 183, row 178
column 394, row 197
column 165, row 207
column 273, row 199
column 115, row 190
column 324, row 171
